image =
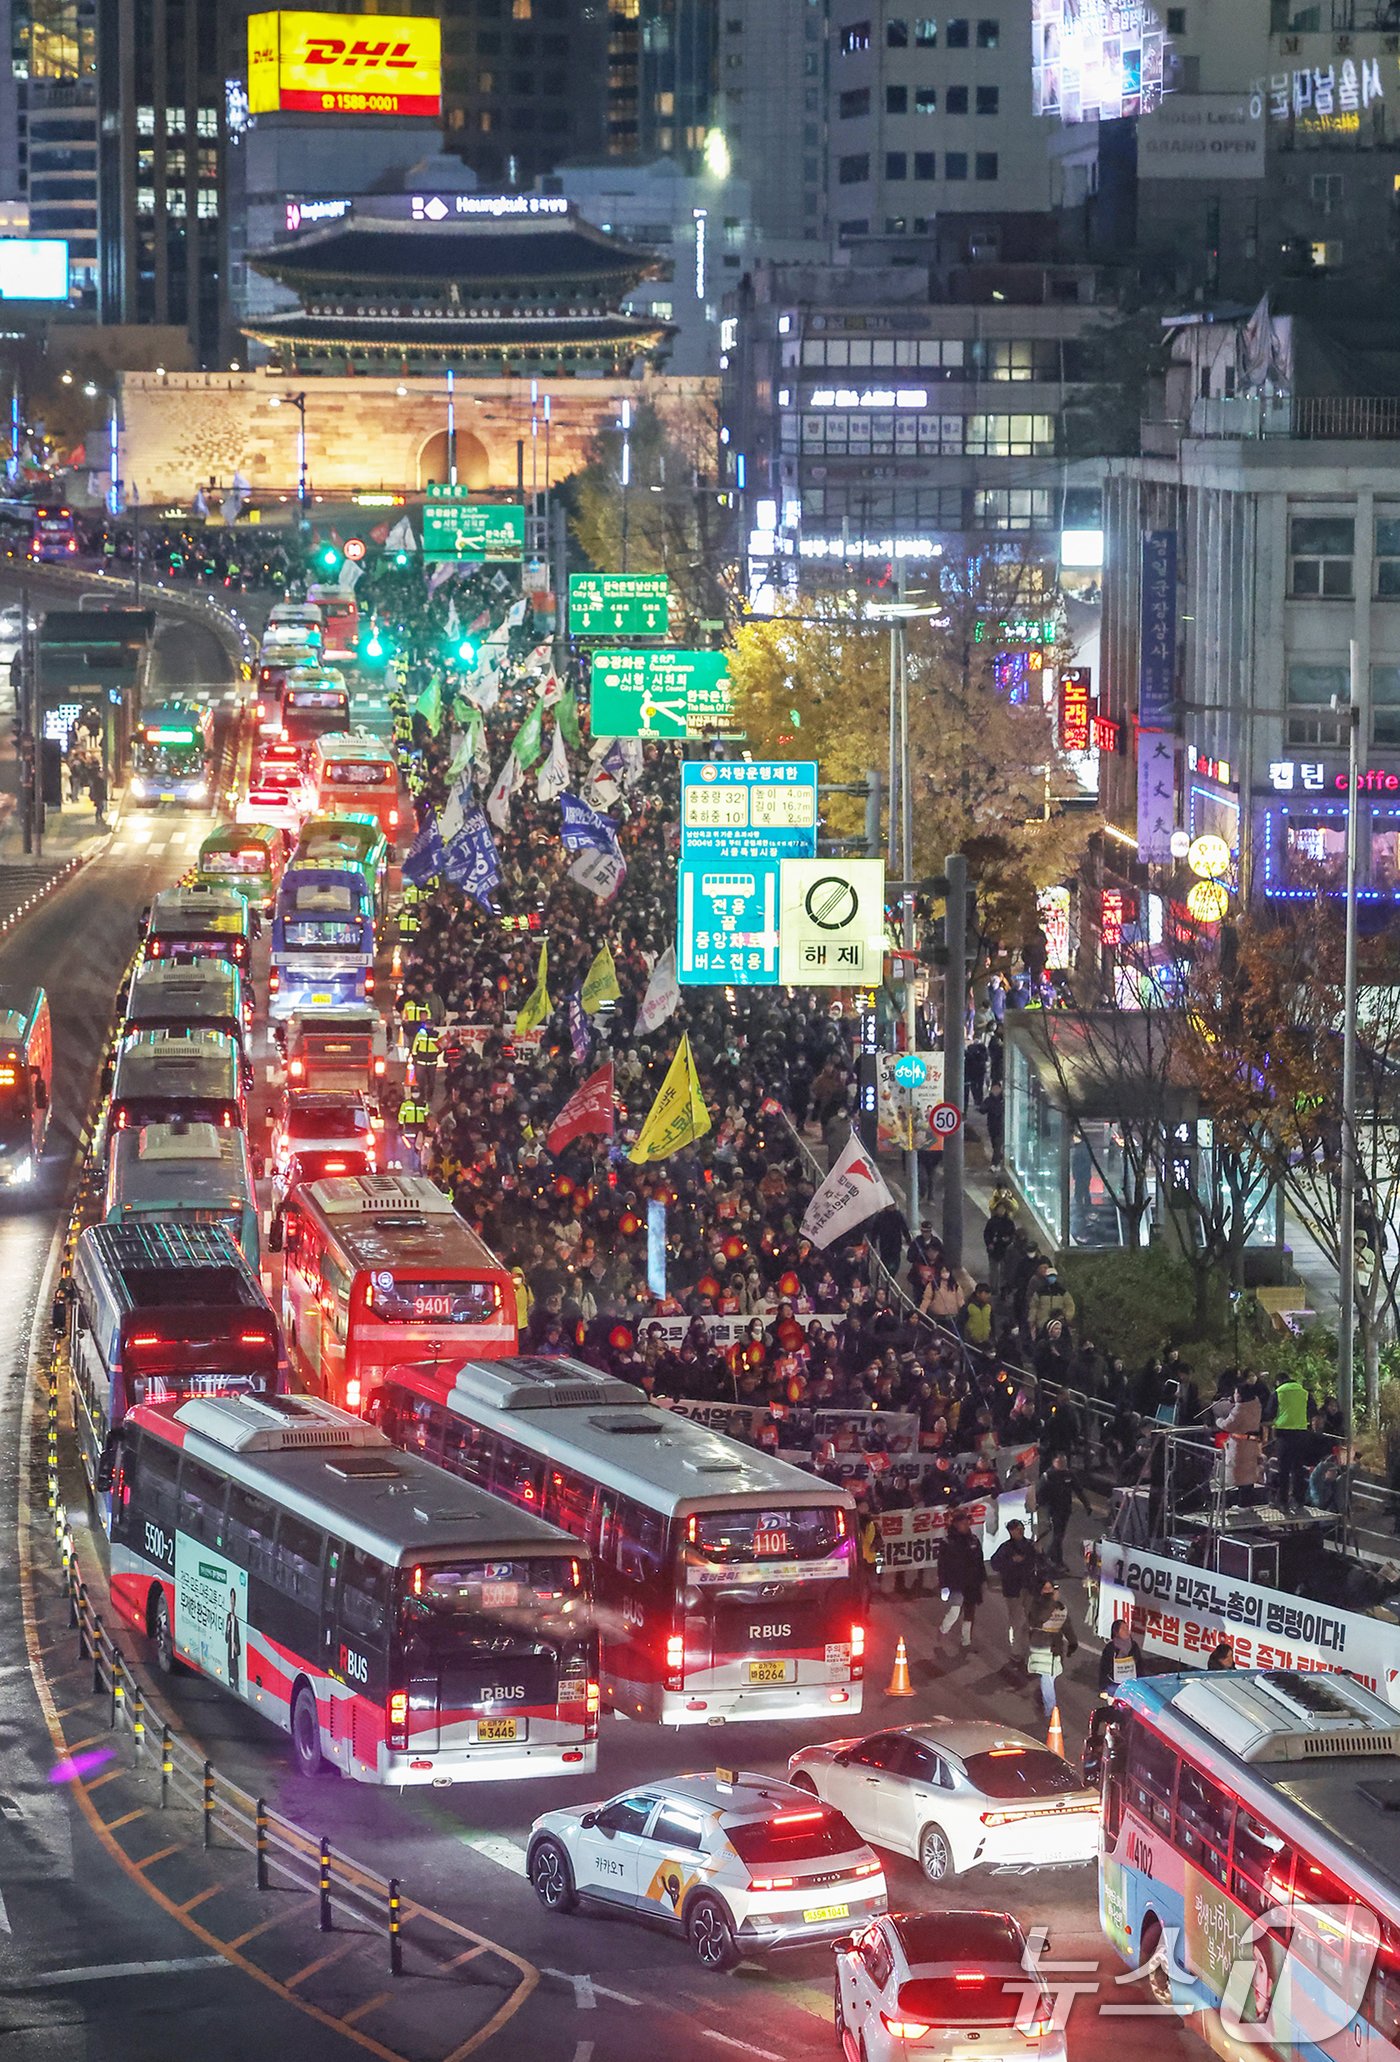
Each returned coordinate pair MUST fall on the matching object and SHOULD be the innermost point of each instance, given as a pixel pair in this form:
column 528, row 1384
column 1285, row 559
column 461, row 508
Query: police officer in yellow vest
column 412, row 1120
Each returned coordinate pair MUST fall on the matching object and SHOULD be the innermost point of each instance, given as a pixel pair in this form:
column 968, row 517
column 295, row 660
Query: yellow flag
column 537, row 1008
column 600, row 982
column 678, row 1115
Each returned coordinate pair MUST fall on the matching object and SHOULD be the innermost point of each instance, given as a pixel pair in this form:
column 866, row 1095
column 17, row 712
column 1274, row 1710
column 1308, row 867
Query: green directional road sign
column 619, row 604
column 458, row 529
column 660, row 694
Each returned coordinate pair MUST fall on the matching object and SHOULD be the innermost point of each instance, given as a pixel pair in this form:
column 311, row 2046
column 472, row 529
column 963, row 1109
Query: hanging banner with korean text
column 1157, row 657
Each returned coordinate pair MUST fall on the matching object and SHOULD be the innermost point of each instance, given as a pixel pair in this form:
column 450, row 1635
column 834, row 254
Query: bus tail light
column 675, row 1661
column 274, row 981
column 857, row 1653
column 297, row 1069
column 380, row 1066
column 397, row 1717
column 352, row 1393
column 369, row 984
column 393, row 819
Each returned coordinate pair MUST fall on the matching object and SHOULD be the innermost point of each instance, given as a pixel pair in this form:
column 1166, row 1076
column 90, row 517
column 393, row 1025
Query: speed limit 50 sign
column 944, row 1118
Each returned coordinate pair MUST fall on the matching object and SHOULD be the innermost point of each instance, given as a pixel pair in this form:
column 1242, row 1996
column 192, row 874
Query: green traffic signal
column 374, row 649
column 467, row 654
column 401, row 558
column 329, row 557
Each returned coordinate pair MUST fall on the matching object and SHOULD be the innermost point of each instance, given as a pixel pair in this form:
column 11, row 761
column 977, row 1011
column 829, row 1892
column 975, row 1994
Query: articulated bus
column 354, row 772
column 727, row 1580
column 405, row 1629
column 1248, row 1860
column 380, row 1270
column 184, row 1173
column 159, row 1311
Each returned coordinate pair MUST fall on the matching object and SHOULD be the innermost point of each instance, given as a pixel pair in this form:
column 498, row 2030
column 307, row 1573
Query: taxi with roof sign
column 734, row 1863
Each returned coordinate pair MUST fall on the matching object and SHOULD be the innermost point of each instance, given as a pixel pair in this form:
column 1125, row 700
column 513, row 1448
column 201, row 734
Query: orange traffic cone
column 1055, row 1738
column 900, row 1685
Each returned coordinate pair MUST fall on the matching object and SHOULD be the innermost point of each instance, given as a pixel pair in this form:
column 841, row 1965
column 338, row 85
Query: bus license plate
column 822, row 1912
column 321, row 998
column 769, row 1671
column 497, row 1729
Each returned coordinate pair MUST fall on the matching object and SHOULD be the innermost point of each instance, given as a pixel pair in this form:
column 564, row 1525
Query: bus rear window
column 355, row 774
column 756, row 1534
column 326, row 933
column 807, row 1833
column 234, row 862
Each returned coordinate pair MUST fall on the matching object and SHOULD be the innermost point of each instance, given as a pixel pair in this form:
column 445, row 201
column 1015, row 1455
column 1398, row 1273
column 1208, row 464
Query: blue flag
column 470, row 860
column 579, row 1030
column 425, row 858
column 585, row 828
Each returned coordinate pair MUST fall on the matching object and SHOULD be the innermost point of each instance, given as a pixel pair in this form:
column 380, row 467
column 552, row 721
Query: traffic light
column 467, row 654
column 400, row 558
column 328, row 558
column 374, row 644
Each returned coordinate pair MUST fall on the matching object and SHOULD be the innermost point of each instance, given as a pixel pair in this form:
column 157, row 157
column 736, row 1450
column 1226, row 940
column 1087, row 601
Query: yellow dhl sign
column 348, row 64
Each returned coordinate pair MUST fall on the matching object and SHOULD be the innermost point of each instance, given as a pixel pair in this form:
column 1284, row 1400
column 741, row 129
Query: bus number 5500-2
column 159, row 1545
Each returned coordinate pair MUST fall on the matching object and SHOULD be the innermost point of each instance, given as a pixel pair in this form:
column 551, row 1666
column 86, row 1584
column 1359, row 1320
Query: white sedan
column 956, row 1794
column 932, row 1983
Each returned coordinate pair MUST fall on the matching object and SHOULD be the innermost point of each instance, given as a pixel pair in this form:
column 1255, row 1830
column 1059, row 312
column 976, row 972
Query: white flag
column 550, row 690
column 201, row 506
column 517, row 614
column 601, row 790
column 453, row 813
column 854, row 1190
column 553, row 776
column 633, row 761
column 453, row 625
column 461, row 757
column 508, row 782
column 663, row 994
column 602, row 873
column 349, row 578
column 401, row 537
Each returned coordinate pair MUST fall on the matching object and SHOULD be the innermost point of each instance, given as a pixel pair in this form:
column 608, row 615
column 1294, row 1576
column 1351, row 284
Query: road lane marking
column 595, row 1990
column 583, row 1994
column 370, row 2005
column 126, row 1818
column 110, row 1972
column 334, row 1954
column 584, row 2052
column 507, row 1854
column 5, row 1926
column 745, row 2047
column 201, row 1897
column 161, row 1854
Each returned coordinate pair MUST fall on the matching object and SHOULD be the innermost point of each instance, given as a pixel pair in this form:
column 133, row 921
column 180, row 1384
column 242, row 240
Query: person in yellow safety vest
column 868, row 1534
column 524, row 1300
column 424, row 1046
column 412, row 1113
column 409, row 923
column 413, row 1012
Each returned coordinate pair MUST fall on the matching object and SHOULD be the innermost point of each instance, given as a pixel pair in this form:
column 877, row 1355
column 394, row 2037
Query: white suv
column 733, row 1862
column 931, row 1983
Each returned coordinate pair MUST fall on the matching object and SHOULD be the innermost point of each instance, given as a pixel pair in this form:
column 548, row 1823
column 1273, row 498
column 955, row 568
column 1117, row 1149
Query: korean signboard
column 904, row 1108
column 619, row 604
column 1182, row 1612
column 456, row 529
column 673, row 694
column 738, row 821
column 1318, row 777
column 1075, row 734
column 1157, row 657
column 383, row 64
column 831, row 922
column 1113, row 914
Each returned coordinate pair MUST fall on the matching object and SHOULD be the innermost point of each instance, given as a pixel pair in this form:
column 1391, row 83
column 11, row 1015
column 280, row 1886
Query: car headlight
column 23, row 1169
column 138, row 786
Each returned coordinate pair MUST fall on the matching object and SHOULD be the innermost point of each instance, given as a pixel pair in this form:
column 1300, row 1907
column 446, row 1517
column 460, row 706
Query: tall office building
column 161, row 124
column 930, row 117
column 48, row 128
column 772, row 111
column 662, row 76
column 525, row 85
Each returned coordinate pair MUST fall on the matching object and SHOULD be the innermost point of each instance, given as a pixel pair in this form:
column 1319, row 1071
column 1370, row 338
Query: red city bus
column 340, row 616
column 353, row 772
column 379, row 1269
column 401, row 1627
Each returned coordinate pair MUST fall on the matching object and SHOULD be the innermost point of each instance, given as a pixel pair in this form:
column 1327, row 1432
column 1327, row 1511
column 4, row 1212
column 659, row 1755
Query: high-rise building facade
column 525, row 85
column 772, row 70
column 48, row 126
column 929, row 116
column 662, row 73
column 161, row 138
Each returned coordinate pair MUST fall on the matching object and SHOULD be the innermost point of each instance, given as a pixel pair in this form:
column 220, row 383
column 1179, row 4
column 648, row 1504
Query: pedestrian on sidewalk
column 962, row 1574
column 97, row 787
column 994, row 1110
column 1018, row 1564
column 1052, row 1639
column 1055, row 1494
column 999, row 1233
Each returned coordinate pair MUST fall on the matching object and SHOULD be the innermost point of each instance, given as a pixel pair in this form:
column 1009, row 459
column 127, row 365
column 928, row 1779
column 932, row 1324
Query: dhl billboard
column 344, row 64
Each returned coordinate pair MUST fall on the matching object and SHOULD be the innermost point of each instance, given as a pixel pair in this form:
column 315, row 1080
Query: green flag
column 600, row 982
column 537, row 1007
column 566, row 716
column 429, row 705
column 529, row 739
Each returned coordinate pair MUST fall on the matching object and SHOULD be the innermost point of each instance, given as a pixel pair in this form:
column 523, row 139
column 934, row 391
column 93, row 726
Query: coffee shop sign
column 1313, row 91
column 1313, row 777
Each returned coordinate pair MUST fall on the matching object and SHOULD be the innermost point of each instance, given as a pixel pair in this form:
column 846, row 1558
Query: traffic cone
column 900, row 1685
column 1055, row 1738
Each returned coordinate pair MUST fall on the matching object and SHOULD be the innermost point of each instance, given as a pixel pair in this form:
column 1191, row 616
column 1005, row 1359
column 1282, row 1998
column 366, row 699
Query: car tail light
column 397, row 1715
column 798, row 1818
column 906, row 2029
column 868, row 1869
column 1036, row 2029
column 1002, row 1818
column 772, row 1882
column 968, row 1977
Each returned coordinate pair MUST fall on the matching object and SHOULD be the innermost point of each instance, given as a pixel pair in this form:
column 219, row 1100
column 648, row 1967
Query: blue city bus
column 1247, row 1865
column 172, row 755
column 185, row 1172
column 322, row 954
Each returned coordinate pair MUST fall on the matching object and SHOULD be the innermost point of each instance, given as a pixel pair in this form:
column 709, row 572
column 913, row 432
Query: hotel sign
column 344, row 64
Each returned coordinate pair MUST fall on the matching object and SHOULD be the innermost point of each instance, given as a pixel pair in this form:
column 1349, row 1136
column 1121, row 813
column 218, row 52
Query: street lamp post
column 1358, row 728
column 297, row 401
column 451, row 427
column 626, row 475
